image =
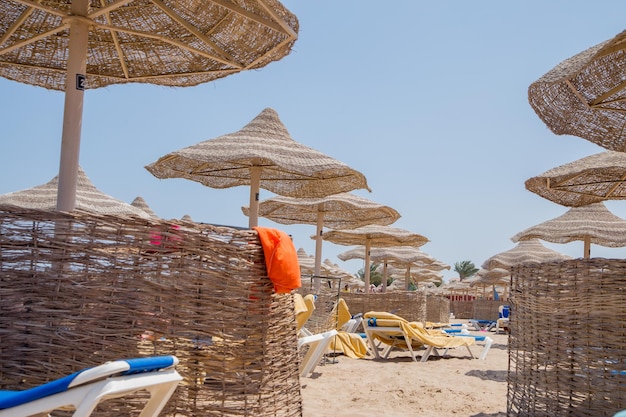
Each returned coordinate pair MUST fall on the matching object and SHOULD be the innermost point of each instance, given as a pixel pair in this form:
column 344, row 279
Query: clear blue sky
column 427, row 99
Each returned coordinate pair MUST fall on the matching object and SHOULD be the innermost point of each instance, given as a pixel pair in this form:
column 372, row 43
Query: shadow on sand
column 497, row 376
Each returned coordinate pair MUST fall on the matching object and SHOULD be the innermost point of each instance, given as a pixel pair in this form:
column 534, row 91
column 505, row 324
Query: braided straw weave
column 79, row 289
column 584, row 95
column 591, row 179
column 338, row 211
column 526, row 251
column 288, row 168
column 172, row 43
column 88, row 198
column 594, row 222
column 567, row 354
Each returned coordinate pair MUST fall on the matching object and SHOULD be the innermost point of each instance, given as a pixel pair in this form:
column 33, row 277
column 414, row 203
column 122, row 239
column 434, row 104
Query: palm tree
column 465, row 269
column 376, row 277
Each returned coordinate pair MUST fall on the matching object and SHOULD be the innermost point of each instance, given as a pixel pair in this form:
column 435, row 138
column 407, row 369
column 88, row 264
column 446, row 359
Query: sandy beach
column 453, row 385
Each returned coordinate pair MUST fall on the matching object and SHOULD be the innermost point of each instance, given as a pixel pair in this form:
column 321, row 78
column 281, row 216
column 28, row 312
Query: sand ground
column 453, row 385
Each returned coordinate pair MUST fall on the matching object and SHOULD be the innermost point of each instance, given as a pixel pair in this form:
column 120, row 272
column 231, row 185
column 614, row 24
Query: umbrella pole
column 587, row 248
column 73, row 110
column 384, row 276
column 318, row 249
column 366, row 272
column 255, row 186
column 407, row 279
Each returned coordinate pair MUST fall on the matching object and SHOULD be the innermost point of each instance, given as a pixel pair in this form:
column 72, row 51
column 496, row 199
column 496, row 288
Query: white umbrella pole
column 366, row 272
column 318, row 248
column 407, row 279
column 255, row 186
column 73, row 110
column 385, row 276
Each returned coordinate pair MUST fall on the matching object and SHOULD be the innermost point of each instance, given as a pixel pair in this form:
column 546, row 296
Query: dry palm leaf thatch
column 337, row 211
column 591, row 179
column 262, row 155
column 75, row 45
column 526, row 251
column 167, row 42
column 585, row 95
column 88, row 199
column 141, row 204
column 374, row 236
column 593, row 223
column 286, row 167
column 391, row 254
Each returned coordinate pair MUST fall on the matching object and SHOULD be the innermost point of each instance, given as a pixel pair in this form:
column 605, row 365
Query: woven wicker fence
column 78, row 290
column 567, row 348
column 410, row 305
column 487, row 309
column 462, row 309
column 437, row 309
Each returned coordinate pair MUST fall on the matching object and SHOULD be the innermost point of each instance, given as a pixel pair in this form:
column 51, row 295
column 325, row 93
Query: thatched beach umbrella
column 141, row 204
column 88, row 198
column 337, row 211
column 407, row 256
column 74, row 45
column 526, row 251
column 585, row 95
column 307, row 262
column 374, row 236
column 261, row 155
column 592, row 179
column 591, row 224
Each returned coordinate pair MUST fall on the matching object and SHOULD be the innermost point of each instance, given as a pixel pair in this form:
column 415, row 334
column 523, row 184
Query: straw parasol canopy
column 591, row 224
column 141, row 204
column 336, row 271
column 400, row 254
column 584, row 95
column 592, row 179
column 88, row 198
column 262, row 155
column 337, row 211
column 74, row 45
column 307, row 262
column 374, row 236
column 407, row 256
column 526, row 251
column 494, row 274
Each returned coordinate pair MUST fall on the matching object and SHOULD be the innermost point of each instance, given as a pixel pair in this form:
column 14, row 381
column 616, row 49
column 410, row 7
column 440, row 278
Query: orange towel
column 281, row 259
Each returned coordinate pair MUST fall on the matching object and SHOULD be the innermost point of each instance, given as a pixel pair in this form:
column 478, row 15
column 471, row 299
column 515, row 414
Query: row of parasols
column 582, row 96
column 354, row 220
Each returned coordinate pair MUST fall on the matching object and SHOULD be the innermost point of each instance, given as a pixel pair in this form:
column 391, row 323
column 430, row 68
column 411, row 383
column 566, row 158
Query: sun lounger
column 482, row 325
column 394, row 331
column 503, row 320
column 84, row 390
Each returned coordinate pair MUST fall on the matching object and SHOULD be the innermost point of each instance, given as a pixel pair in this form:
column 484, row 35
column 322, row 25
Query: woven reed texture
column 88, row 198
column 78, row 290
column 410, row 305
column 486, row 309
column 462, row 309
column 579, row 96
column 437, row 309
column 324, row 316
column 287, row 167
column 526, row 251
column 591, row 179
column 593, row 221
column 339, row 211
column 176, row 43
column 567, row 354
column 376, row 235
